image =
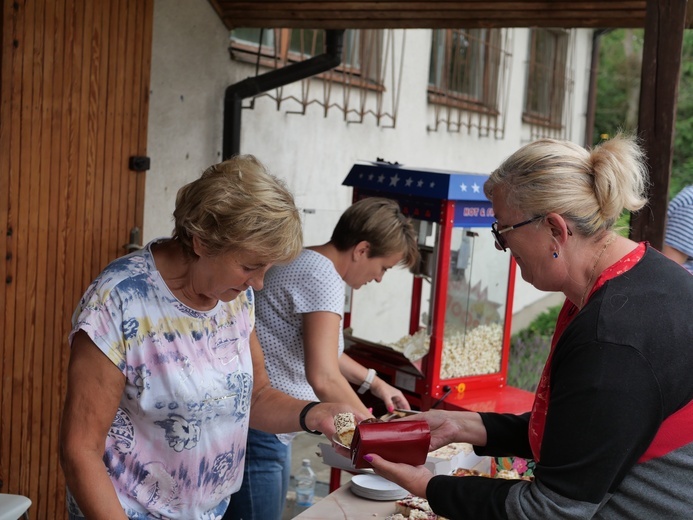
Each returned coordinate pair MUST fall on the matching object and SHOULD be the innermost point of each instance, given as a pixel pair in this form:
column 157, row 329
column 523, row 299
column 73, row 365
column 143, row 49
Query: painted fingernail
column 368, row 458
column 370, row 410
column 390, row 409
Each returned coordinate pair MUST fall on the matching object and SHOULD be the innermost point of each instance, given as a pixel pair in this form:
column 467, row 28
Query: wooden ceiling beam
column 438, row 23
column 607, row 16
column 387, row 14
column 558, row 5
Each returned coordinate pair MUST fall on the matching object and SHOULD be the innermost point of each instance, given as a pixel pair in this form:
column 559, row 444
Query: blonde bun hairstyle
column 589, row 187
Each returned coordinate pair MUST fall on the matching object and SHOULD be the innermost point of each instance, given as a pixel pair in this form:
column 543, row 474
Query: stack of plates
column 375, row 487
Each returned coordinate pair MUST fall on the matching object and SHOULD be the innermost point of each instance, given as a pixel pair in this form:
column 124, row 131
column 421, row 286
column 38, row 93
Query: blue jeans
column 265, row 479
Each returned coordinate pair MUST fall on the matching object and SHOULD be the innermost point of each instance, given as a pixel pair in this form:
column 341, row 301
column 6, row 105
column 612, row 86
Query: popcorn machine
column 440, row 334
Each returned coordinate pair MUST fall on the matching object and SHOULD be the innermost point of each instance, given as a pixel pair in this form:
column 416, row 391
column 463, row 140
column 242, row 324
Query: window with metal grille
column 361, row 56
column 468, row 81
column 366, row 83
column 465, row 68
column 547, row 78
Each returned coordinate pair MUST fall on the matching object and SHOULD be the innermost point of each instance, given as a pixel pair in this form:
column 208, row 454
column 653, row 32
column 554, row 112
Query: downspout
column 592, row 92
column 249, row 87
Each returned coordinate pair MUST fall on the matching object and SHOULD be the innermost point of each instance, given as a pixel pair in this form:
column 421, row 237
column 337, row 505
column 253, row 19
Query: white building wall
column 191, row 69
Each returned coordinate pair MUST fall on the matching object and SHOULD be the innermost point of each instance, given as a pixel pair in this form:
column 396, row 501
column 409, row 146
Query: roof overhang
column 386, row 14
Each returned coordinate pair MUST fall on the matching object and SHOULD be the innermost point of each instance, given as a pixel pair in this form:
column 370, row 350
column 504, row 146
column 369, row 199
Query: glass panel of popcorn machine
column 380, row 311
column 475, row 305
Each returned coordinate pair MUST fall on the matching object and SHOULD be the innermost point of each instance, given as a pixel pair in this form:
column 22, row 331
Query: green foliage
column 618, row 81
column 618, row 88
column 682, row 164
column 622, row 226
column 543, row 325
column 529, row 349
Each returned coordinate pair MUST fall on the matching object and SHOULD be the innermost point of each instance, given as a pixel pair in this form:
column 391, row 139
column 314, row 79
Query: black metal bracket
column 139, row 163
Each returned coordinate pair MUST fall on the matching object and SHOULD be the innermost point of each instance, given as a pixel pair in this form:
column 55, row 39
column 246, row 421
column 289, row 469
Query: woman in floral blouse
column 166, row 373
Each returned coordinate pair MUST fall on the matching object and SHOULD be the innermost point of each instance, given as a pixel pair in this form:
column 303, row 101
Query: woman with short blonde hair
column 166, row 373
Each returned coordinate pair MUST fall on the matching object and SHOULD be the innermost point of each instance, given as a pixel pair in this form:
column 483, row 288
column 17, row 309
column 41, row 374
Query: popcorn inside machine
column 441, row 334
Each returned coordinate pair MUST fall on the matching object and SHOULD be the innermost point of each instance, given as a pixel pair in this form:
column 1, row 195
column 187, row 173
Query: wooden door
column 73, row 110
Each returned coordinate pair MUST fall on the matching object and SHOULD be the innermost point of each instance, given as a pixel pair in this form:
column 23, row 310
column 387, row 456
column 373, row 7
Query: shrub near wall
column 529, row 349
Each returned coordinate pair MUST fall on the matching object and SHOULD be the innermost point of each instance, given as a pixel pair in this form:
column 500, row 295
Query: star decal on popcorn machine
column 440, row 333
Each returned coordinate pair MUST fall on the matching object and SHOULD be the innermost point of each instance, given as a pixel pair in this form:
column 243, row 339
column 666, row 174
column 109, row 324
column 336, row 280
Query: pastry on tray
column 412, row 507
column 502, row 474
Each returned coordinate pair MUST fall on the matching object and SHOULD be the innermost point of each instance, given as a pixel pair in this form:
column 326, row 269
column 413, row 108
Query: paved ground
column 305, row 446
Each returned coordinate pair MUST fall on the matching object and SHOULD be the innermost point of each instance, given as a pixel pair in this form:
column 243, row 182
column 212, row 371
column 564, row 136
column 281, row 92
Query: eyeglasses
column 501, row 244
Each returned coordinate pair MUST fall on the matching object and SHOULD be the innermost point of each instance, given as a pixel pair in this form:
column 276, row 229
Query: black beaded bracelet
column 302, row 418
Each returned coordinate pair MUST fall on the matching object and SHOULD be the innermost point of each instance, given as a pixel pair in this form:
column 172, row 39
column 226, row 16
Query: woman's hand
column 448, row 426
column 321, row 417
column 412, row 478
column 391, row 396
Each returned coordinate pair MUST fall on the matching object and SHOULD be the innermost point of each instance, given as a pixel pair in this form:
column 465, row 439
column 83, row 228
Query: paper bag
column 399, row 441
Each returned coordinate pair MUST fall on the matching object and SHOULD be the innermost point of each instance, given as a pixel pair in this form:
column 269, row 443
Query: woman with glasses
column 611, row 429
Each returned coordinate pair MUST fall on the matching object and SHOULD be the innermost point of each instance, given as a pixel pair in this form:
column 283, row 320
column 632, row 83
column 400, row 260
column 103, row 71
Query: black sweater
column 622, row 371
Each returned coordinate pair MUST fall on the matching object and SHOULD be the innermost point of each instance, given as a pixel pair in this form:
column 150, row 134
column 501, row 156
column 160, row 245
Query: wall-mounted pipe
column 236, row 93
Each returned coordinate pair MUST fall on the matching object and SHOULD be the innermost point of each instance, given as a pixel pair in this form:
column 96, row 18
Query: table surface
column 342, row 504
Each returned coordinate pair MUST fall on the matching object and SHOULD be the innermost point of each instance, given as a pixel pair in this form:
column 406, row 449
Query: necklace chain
column 589, row 282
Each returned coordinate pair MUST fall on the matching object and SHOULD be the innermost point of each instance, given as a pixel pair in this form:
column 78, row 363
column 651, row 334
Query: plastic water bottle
column 305, row 485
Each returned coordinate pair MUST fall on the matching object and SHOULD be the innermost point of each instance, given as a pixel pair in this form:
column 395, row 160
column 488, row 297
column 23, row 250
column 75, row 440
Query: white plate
column 374, row 483
column 375, row 487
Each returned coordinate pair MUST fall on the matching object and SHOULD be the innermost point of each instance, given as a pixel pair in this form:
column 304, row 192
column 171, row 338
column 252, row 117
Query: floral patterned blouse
column 176, row 447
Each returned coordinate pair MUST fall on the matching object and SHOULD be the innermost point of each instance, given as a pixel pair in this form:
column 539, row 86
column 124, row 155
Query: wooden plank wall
column 73, row 109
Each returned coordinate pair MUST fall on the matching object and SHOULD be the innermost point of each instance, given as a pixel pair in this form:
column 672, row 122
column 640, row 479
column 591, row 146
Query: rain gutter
column 249, row 87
